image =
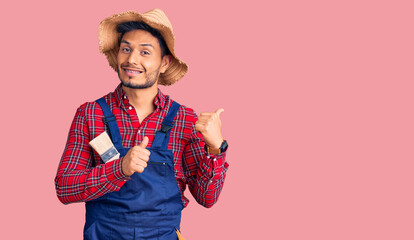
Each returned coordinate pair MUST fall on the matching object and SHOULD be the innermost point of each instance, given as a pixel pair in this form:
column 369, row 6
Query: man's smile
column 132, row 71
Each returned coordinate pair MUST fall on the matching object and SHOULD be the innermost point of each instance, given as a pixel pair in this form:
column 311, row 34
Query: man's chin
column 134, row 85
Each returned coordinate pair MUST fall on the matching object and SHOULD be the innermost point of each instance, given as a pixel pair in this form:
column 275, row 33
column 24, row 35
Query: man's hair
column 130, row 26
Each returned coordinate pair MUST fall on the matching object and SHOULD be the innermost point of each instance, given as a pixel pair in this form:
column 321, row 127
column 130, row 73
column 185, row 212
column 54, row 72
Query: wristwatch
column 216, row 151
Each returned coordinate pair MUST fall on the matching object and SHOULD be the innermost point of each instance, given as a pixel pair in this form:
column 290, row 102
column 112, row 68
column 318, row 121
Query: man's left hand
column 209, row 125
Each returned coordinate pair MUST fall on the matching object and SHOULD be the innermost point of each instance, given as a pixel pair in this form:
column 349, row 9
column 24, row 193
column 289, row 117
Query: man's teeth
column 132, row 71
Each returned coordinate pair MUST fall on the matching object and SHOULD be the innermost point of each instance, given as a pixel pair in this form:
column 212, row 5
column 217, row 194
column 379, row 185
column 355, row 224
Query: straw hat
column 156, row 18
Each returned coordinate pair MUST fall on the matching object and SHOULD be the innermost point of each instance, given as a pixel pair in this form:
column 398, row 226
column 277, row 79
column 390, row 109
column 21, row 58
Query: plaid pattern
column 81, row 176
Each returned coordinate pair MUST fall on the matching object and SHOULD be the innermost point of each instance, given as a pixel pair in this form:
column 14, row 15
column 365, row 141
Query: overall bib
column 148, row 206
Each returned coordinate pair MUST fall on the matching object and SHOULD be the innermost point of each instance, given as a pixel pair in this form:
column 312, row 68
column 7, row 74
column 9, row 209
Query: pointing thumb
column 144, row 142
column 219, row 111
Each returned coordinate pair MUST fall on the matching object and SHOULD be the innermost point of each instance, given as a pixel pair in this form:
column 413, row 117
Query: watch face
column 223, row 146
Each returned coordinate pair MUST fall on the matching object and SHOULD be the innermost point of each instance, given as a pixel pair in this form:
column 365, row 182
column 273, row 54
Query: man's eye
column 126, row 50
column 145, row 52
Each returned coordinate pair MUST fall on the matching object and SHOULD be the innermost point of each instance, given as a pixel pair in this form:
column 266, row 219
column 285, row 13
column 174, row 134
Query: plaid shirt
column 82, row 177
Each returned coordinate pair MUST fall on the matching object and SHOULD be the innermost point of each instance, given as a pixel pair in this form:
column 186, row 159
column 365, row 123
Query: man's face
column 139, row 60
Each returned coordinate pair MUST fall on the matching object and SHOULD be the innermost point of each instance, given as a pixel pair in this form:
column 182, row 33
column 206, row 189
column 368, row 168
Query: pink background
column 318, row 99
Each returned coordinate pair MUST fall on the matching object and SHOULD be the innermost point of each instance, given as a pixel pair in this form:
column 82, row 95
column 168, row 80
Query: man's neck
column 142, row 99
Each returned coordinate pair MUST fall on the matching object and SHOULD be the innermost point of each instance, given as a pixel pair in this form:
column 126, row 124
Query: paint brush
column 104, row 147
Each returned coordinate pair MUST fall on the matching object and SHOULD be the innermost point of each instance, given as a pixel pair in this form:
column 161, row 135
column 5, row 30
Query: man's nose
column 133, row 58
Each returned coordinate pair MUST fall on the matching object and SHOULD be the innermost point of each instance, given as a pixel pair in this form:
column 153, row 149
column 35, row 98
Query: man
column 162, row 146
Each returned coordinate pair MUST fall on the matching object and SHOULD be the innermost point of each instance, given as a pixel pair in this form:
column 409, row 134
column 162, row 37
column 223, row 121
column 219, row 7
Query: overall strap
column 110, row 120
column 162, row 136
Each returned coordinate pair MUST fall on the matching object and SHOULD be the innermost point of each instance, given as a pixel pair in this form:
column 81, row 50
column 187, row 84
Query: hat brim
column 109, row 40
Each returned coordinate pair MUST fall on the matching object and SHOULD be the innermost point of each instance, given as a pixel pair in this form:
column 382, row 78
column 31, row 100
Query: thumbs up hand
column 136, row 158
column 209, row 125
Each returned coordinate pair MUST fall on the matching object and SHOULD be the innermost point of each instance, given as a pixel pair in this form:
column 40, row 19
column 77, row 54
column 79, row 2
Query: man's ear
column 166, row 62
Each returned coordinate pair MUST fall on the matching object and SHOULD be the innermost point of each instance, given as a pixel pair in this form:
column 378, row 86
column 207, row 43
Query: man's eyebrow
column 147, row 45
column 143, row 44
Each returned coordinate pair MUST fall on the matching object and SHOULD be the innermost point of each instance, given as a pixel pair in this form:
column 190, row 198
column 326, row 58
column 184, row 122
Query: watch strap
column 214, row 151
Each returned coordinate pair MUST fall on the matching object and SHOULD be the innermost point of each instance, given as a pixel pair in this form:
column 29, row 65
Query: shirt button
column 214, row 159
column 130, row 108
column 210, row 181
column 139, row 131
column 124, row 96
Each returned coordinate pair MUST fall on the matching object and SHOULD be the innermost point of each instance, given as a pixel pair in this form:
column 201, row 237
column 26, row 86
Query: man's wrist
column 216, row 150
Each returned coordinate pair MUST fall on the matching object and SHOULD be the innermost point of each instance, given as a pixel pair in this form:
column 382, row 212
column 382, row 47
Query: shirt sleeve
column 205, row 173
column 77, row 178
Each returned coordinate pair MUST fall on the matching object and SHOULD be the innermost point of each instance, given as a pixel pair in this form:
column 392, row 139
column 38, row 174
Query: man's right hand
column 136, row 158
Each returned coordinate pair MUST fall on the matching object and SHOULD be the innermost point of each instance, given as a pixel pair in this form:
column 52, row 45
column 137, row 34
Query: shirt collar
column 120, row 95
column 160, row 100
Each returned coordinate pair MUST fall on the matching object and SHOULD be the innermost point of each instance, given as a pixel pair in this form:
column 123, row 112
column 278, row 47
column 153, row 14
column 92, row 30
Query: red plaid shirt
column 82, row 177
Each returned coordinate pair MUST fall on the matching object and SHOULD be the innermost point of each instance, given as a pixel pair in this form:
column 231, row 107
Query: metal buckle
column 165, row 128
column 111, row 118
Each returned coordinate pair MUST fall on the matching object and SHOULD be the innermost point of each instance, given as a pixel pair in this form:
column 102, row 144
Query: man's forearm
column 208, row 173
column 77, row 185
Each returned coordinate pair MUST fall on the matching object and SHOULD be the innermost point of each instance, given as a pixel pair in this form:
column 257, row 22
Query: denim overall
column 149, row 205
